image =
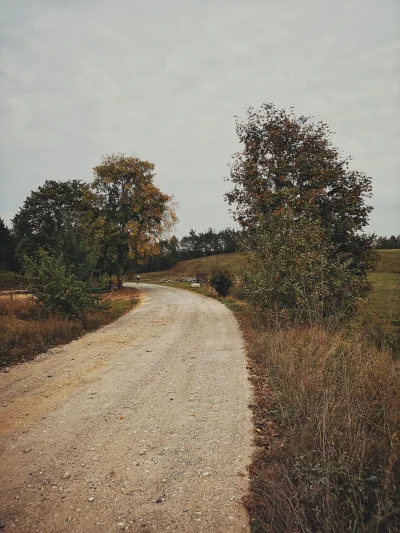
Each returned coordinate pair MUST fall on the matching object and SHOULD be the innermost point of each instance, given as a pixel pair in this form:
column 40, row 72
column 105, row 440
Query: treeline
column 8, row 257
column 192, row 246
column 388, row 243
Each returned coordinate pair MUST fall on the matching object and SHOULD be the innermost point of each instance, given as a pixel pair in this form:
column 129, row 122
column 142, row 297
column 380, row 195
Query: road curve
column 143, row 425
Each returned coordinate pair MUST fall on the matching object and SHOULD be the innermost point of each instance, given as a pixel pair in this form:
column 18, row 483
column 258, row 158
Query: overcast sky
column 163, row 80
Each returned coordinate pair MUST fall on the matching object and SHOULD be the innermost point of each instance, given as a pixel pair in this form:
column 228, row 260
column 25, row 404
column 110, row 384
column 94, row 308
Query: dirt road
column 141, row 426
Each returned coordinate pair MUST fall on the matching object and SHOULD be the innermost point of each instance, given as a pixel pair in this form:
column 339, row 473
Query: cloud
column 163, row 80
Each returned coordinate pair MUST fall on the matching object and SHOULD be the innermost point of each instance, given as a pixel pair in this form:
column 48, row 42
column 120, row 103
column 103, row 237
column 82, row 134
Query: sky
column 163, row 81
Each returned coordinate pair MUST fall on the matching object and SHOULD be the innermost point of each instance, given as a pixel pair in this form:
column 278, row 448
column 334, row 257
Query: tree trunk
column 119, row 281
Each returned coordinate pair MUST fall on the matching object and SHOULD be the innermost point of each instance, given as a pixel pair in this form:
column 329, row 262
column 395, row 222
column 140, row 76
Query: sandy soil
column 143, row 425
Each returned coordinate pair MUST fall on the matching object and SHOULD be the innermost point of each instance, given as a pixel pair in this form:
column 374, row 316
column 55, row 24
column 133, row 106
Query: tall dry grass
column 27, row 329
column 327, row 412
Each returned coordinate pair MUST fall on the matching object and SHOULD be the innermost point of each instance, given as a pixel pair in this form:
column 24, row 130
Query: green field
column 383, row 304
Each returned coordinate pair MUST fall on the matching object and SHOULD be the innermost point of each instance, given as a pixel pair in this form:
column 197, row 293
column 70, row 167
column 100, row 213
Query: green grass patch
column 379, row 314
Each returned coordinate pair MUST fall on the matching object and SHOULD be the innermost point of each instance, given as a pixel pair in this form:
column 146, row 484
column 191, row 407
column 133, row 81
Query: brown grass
column 26, row 329
column 327, row 413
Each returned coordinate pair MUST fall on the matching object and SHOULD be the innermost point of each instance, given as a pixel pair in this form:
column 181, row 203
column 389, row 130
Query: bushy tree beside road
column 290, row 178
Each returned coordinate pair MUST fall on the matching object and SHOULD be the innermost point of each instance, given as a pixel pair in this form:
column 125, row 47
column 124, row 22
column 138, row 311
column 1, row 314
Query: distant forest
column 388, row 243
column 191, row 246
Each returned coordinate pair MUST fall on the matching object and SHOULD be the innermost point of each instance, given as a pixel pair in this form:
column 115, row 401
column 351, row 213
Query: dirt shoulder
column 143, row 425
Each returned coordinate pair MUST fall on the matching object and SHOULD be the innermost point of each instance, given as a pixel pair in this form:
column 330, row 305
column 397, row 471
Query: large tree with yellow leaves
column 129, row 213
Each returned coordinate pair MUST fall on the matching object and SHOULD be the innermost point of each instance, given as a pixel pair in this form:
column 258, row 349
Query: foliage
column 46, row 214
column 80, row 252
column 8, row 259
column 129, row 213
column 209, row 242
column 57, row 289
column 194, row 245
column 295, row 274
column 289, row 162
column 388, row 243
column 54, row 218
column 221, row 280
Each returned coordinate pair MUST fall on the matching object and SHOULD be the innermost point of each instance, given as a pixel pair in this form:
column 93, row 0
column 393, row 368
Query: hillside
column 202, row 265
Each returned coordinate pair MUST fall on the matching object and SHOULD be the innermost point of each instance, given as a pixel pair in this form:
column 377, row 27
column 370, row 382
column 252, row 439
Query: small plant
column 221, row 280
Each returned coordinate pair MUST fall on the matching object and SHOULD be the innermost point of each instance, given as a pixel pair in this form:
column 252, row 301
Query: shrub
column 57, row 289
column 221, row 280
column 292, row 274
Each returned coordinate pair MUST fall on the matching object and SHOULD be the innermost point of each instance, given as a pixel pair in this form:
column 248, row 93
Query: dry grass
column 26, row 329
column 327, row 413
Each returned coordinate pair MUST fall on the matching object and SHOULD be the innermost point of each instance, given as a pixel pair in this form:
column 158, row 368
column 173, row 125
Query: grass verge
column 26, row 330
column 326, row 415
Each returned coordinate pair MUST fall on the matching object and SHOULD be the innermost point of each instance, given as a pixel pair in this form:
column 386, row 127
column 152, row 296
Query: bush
column 221, row 280
column 292, row 275
column 57, row 289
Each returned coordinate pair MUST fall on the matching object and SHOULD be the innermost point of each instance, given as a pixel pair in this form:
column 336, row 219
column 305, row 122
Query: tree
column 8, row 260
column 390, row 243
column 290, row 162
column 289, row 177
column 295, row 274
column 47, row 213
column 53, row 218
column 129, row 213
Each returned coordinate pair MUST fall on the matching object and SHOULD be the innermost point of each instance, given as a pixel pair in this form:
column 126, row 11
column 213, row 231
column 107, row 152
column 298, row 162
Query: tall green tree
column 54, row 218
column 130, row 214
column 294, row 194
column 290, row 162
column 46, row 214
column 390, row 243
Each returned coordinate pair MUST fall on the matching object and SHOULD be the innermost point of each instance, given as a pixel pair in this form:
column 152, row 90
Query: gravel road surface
column 143, row 425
